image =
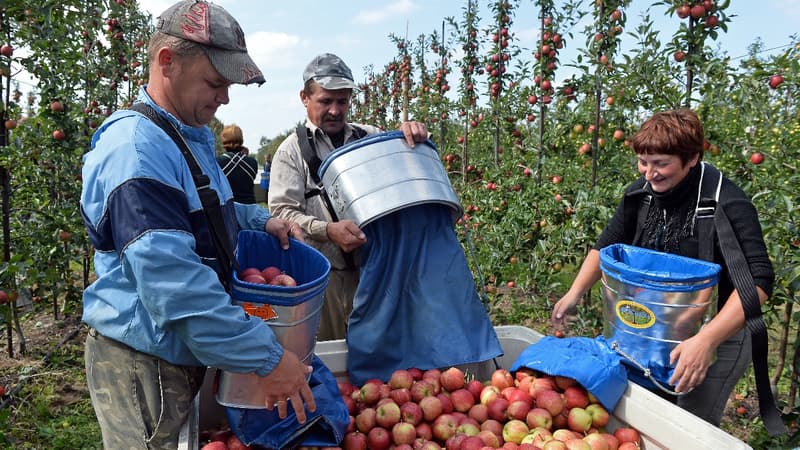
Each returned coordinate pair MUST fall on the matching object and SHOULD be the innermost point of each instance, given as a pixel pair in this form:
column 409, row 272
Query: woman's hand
column 694, row 356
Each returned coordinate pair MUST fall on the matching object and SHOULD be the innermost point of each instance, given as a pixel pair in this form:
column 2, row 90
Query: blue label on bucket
column 635, row 315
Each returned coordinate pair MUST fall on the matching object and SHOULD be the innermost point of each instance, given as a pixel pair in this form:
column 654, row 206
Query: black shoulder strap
column 746, row 288
column 707, row 199
column 208, row 196
column 309, row 151
column 637, row 202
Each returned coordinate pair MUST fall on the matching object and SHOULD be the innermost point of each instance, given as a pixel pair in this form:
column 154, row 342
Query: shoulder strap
column 309, row 151
column 746, row 288
column 208, row 196
column 637, row 202
column 707, row 200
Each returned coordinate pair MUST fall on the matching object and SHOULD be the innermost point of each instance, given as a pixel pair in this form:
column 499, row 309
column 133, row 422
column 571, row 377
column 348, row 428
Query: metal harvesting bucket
column 293, row 313
column 380, row 174
column 653, row 301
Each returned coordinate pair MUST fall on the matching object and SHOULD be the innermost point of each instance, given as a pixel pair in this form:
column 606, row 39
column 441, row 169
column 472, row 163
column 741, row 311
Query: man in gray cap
column 294, row 184
column 159, row 313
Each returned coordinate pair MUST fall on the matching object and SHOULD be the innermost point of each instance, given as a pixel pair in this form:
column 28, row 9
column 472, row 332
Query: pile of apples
column 441, row 409
column 268, row 275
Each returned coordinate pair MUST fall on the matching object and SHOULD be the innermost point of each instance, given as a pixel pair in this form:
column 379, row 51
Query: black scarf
column 670, row 217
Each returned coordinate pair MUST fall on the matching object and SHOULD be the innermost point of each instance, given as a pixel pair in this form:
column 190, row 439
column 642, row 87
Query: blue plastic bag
column 324, row 427
column 591, row 362
column 416, row 304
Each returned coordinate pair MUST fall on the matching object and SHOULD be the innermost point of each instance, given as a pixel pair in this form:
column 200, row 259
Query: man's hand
column 283, row 230
column 414, row 132
column 287, row 384
column 346, row 235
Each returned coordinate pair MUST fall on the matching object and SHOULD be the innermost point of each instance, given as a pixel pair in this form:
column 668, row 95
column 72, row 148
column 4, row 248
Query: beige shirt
column 290, row 179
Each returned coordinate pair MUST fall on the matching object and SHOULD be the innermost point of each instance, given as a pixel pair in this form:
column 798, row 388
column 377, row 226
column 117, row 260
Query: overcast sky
column 283, row 36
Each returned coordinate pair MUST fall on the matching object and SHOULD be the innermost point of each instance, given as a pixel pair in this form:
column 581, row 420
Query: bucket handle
column 646, row 371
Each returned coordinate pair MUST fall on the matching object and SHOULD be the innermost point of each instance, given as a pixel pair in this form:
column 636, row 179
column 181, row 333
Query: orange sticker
column 261, row 310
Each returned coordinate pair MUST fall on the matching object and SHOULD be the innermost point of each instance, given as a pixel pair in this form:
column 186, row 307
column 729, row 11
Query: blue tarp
column 324, row 427
column 416, row 303
column 589, row 361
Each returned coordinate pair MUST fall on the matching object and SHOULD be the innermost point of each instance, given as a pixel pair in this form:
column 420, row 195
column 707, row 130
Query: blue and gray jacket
column 157, row 289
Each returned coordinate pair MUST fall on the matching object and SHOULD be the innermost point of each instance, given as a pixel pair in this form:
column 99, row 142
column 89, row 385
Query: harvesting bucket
column 379, row 174
column 293, row 313
column 653, row 301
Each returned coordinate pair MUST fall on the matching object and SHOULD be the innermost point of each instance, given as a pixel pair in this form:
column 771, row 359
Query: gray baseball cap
column 216, row 30
column 330, row 72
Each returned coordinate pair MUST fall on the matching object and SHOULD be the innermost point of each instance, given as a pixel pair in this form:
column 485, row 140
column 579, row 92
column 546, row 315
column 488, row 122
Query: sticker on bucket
column 260, row 310
column 635, row 315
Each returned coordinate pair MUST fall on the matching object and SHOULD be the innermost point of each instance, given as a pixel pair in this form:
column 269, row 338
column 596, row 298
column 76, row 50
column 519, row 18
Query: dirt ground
column 43, row 334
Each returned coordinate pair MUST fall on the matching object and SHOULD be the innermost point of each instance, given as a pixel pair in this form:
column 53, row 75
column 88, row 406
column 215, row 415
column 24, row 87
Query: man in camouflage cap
column 328, row 87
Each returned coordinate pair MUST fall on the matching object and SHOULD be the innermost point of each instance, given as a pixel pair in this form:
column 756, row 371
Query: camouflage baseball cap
column 218, row 32
column 330, row 72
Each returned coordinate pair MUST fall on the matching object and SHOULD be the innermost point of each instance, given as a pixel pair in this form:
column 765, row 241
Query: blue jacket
column 157, row 290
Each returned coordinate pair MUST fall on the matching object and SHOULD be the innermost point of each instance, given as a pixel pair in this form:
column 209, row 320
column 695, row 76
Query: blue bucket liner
column 659, row 271
column 653, row 301
column 305, row 264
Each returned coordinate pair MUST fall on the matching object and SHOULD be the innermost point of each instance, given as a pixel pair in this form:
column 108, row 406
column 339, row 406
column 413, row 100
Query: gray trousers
column 338, row 304
column 141, row 401
column 708, row 400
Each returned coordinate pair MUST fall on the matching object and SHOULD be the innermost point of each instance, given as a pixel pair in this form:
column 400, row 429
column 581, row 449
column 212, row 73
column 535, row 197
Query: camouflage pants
column 140, row 401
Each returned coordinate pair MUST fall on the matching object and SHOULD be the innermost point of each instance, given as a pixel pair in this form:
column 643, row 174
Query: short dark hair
column 676, row 132
column 181, row 47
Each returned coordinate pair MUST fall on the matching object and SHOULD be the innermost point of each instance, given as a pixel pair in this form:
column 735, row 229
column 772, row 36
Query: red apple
column 379, row 439
column 59, row 135
column 255, row 279
column 447, row 405
column 365, row 420
column 475, row 387
column 518, row 409
column 215, row 445
column 469, row 427
column 234, row 443
column 501, row 379
column 575, row 396
column 488, row 394
column 495, row 426
column 56, row 106
column 249, row 271
column 697, row 11
column 564, row 382
column 444, row 427
column 412, row 413
column 612, row 441
column 489, row 438
column 498, row 409
column 452, row 379
column 775, row 81
column 355, row 441
column 757, row 158
column 283, row 280
column 550, row 400
column 627, row 434
column 7, row 50
column 416, row 373
column 599, row 415
column 400, row 396
column 539, row 417
column 577, row 443
column 388, row 414
column 404, row 433
column 424, row 431
column 10, row 124
column 579, row 420
column 401, row 378
column 431, row 407
column 471, row 443
column 596, row 441
column 270, row 272
column 462, row 400
column 514, row 430
column 515, row 394
column 479, row 412
column 421, row 389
